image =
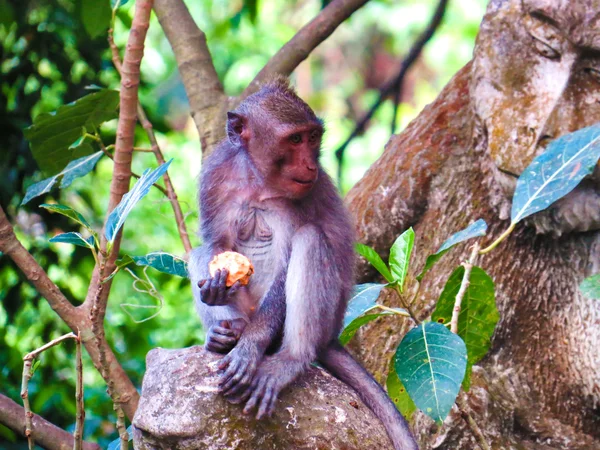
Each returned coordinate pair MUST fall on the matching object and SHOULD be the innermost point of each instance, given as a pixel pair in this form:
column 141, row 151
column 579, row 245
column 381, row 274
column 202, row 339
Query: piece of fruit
column 240, row 268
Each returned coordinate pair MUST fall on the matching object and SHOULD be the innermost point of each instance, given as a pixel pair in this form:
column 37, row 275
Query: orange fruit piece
column 240, row 268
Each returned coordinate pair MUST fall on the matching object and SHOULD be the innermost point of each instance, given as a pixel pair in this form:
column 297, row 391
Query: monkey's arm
column 223, row 323
column 267, row 324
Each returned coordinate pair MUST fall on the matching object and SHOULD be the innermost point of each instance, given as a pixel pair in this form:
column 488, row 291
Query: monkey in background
column 264, row 194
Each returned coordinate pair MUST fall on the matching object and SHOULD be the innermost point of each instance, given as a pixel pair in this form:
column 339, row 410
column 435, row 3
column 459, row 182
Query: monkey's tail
column 342, row 365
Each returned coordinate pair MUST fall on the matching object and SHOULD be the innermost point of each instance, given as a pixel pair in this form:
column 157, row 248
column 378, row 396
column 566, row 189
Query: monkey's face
column 292, row 162
column 535, row 77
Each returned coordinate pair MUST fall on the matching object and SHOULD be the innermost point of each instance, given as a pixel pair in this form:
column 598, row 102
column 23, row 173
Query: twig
column 27, row 374
column 80, row 413
column 468, row 265
column 397, row 98
column 147, row 125
column 396, row 82
column 45, row 434
column 497, row 242
column 305, row 41
column 463, row 408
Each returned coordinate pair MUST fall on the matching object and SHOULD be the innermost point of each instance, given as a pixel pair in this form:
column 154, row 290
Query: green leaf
column 398, row 393
column 373, row 257
column 163, row 262
column 67, row 211
column 117, row 217
column 349, row 331
column 74, row 169
column 74, row 238
column 96, row 16
column 556, row 172
column 52, row 134
column 364, row 298
column 121, row 3
column 7, row 14
column 431, row 363
column 590, row 287
column 476, row 229
column 400, row 256
column 478, row 315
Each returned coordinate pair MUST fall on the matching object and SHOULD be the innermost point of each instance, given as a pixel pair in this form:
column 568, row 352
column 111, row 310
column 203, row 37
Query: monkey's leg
column 313, row 292
column 342, row 365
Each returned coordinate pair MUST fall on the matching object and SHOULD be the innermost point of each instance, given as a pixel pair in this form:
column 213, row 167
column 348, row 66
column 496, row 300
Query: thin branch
column 80, row 411
column 305, row 41
column 27, row 374
column 463, row 408
column 396, row 82
column 76, row 318
column 46, row 434
column 147, row 125
column 464, row 285
column 202, row 85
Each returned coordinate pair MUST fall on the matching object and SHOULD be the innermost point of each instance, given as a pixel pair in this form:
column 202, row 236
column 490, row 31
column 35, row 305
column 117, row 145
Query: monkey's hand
column 223, row 337
column 239, row 367
column 273, row 375
column 214, row 292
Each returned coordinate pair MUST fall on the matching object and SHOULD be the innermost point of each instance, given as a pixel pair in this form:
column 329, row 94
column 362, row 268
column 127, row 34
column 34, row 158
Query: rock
column 180, row 408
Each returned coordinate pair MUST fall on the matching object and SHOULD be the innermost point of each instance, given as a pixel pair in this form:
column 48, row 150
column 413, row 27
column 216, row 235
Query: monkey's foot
column 239, row 367
column 273, row 375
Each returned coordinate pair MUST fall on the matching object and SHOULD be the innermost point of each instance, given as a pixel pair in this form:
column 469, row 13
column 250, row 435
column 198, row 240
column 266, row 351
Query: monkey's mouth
column 303, row 182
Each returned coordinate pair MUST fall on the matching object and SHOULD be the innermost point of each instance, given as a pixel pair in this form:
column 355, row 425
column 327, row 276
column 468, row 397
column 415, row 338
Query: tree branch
column 305, row 41
column 75, row 317
column 204, row 90
column 45, row 433
column 395, row 83
column 147, row 125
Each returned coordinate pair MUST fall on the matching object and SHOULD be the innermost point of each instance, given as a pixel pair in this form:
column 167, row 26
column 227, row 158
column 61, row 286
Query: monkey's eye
column 296, row 138
column 593, row 72
column 314, row 136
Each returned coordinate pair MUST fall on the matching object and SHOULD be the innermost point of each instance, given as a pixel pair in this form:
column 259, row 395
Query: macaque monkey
column 264, row 194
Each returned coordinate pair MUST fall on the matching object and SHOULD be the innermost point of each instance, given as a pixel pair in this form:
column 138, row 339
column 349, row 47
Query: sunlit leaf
column 590, row 287
column 117, row 217
column 52, row 134
column 96, row 16
column 373, row 257
column 74, row 169
column 556, row 172
column 74, row 239
column 476, row 229
column 398, row 393
column 364, row 298
column 431, row 363
column 400, row 256
column 67, row 211
column 163, row 262
column 478, row 314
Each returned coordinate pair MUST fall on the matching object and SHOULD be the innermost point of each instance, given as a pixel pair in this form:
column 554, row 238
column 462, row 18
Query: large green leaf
column 52, row 134
column 431, row 363
column 556, row 172
column 476, row 229
column 117, row 217
column 74, row 239
column 478, row 314
column 400, row 256
column 590, row 287
column 398, row 393
column 74, row 169
column 373, row 257
column 96, row 16
column 163, row 262
column 364, row 298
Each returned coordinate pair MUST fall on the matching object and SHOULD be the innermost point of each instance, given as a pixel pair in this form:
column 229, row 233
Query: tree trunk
column 539, row 386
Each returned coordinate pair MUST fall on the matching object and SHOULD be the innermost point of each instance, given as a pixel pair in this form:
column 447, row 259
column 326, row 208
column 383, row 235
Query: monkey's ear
column 236, row 126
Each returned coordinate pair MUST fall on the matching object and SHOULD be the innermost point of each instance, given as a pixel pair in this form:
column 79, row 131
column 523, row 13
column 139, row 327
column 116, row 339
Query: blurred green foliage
column 49, row 54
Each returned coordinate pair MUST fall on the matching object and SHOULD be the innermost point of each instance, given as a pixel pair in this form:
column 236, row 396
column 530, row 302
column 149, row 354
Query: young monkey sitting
column 264, row 194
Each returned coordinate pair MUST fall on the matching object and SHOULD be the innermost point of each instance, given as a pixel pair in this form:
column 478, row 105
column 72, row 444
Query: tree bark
column 536, row 388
